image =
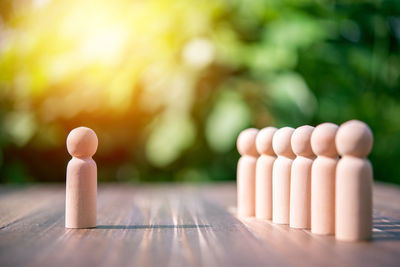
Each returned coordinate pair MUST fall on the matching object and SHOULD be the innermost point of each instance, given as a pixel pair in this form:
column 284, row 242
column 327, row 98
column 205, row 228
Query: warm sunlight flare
column 92, row 56
column 169, row 84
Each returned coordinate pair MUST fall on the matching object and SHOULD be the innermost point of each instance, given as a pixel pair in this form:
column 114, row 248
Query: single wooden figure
column 264, row 167
column 281, row 175
column 246, row 172
column 323, row 174
column 354, row 182
column 300, row 178
column 81, row 187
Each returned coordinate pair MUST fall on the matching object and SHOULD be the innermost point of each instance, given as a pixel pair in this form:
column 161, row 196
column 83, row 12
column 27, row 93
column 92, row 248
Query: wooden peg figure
column 281, row 175
column 323, row 179
column 300, row 178
column 264, row 167
column 246, row 172
column 81, row 188
column 354, row 182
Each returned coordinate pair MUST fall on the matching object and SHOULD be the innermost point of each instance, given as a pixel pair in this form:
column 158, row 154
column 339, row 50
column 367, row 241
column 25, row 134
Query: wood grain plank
column 178, row 225
column 16, row 203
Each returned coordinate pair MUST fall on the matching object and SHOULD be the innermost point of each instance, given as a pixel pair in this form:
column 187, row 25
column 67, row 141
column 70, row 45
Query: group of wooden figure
column 296, row 177
column 290, row 176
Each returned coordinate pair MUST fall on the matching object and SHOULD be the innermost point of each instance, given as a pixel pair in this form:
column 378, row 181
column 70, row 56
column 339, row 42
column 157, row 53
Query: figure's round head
column 354, row 138
column 281, row 142
column 301, row 144
column 264, row 141
column 82, row 142
column 246, row 142
column 323, row 139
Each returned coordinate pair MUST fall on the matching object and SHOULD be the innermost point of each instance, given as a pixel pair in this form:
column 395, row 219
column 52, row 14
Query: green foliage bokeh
column 168, row 84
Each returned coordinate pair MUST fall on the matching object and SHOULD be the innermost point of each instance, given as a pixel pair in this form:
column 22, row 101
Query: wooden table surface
column 178, row 225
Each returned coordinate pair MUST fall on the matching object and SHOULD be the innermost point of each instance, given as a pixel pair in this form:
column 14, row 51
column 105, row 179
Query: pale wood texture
column 178, row 225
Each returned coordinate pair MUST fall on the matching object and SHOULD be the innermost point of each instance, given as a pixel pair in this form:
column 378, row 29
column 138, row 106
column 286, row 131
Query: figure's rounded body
column 281, row 190
column 300, row 193
column 264, row 167
column 81, row 193
column 246, row 186
column 323, row 195
column 353, row 199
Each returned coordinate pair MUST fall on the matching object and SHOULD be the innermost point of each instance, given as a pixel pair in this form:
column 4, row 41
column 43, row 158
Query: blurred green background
column 168, row 84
